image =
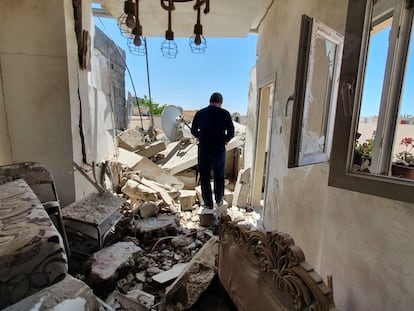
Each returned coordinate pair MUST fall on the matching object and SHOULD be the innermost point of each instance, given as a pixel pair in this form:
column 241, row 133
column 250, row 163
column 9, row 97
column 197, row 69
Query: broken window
column 317, row 77
column 374, row 125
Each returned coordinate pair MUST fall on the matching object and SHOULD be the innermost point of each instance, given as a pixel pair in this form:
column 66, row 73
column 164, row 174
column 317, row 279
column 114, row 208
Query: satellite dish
column 171, row 122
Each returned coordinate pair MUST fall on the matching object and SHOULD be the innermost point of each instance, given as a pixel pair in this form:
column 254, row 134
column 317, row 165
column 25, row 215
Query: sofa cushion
column 32, row 255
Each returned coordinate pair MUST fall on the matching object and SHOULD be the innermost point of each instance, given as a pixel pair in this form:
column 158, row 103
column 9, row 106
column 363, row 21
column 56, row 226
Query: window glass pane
column 371, row 96
column 320, row 96
column 403, row 150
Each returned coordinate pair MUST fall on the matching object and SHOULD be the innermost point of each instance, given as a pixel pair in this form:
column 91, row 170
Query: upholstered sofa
column 32, row 255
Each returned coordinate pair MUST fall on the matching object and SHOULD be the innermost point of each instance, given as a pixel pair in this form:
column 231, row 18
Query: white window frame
column 311, row 30
column 349, row 103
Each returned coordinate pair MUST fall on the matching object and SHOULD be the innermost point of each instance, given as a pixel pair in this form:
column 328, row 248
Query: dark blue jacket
column 213, row 127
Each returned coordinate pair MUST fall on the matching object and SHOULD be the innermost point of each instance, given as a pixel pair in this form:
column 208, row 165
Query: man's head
column 216, row 99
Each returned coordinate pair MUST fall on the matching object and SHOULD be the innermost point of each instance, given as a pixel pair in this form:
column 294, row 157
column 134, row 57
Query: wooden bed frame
column 263, row 270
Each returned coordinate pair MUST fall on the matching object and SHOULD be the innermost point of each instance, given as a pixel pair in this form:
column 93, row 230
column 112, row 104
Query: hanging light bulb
column 169, row 48
column 197, row 42
column 126, row 22
column 139, row 50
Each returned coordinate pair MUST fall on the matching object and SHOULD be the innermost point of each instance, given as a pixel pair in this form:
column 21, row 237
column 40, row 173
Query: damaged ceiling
column 244, row 17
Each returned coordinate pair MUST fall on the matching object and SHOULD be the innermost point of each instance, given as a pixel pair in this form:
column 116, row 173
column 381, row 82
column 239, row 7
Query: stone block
column 187, row 199
column 131, row 140
column 107, row 261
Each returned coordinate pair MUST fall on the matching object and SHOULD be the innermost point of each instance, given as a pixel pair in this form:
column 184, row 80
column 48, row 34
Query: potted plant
column 363, row 153
column 404, row 165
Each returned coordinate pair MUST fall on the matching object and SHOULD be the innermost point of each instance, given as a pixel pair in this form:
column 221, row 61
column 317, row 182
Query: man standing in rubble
column 214, row 128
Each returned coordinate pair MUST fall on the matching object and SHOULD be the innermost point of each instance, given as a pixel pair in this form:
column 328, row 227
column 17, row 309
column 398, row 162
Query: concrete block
column 107, row 261
column 187, row 199
column 207, row 217
column 131, row 140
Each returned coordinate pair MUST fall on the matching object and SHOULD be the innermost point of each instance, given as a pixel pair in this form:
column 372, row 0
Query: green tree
column 156, row 109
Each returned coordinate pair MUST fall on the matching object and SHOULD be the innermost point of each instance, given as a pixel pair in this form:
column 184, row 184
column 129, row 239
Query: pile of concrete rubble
column 165, row 255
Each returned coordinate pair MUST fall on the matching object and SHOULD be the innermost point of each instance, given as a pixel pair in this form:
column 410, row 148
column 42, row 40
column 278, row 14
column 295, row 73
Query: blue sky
column 375, row 73
column 189, row 79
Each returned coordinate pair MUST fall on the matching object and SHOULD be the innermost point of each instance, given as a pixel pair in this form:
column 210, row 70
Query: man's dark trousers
column 211, row 159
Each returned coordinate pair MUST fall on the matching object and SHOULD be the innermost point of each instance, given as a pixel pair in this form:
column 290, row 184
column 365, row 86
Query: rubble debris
column 107, row 261
column 242, row 188
column 145, row 299
column 197, row 276
column 138, row 191
column 131, row 140
column 148, row 209
column 147, row 169
column 207, row 217
column 169, row 275
column 188, row 177
column 187, row 199
column 152, row 228
column 182, row 155
column 152, row 149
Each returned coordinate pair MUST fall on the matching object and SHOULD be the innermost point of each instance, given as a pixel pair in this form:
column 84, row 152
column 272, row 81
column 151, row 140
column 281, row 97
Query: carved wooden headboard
column 263, row 270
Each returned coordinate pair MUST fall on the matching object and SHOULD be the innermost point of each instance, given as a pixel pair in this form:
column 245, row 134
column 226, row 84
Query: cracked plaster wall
column 364, row 241
column 43, row 89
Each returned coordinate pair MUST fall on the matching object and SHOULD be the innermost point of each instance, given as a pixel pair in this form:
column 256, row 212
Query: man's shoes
column 207, row 206
column 219, row 203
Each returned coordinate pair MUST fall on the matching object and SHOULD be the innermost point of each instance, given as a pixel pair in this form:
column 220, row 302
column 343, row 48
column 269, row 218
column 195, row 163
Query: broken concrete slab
column 154, row 227
column 131, row 140
column 242, row 188
column 150, row 150
column 244, row 176
column 167, row 276
column 107, row 261
column 163, row 194
column 184, row 156
column 188, row 177
column 197, row 276
column 241, row 195
column 138, row 191
column 148, row 169
column 68, row 294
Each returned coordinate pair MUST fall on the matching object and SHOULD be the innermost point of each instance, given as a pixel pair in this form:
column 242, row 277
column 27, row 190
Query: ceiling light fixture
column 169, row 48
column 131, row 28
column 197, row 42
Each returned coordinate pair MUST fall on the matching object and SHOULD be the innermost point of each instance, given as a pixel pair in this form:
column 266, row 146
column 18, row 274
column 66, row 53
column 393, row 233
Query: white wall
column 364, row 241
column 35, row 97
column 43, row 90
